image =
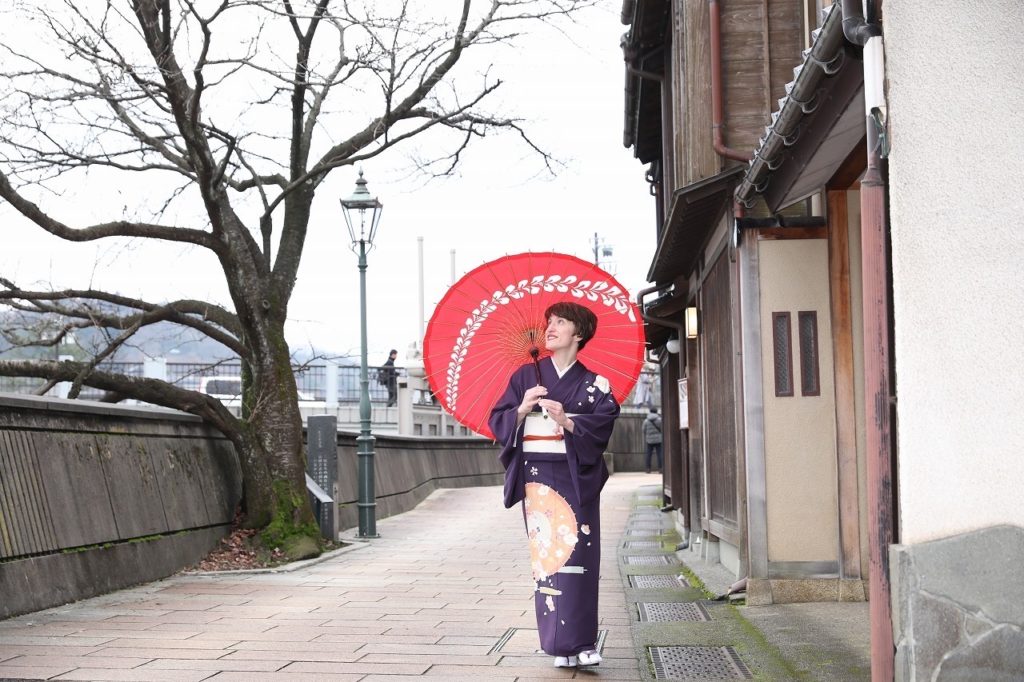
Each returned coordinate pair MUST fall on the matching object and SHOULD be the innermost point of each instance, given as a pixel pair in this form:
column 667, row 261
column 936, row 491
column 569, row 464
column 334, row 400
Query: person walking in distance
column 387, row 376
column 652, row 437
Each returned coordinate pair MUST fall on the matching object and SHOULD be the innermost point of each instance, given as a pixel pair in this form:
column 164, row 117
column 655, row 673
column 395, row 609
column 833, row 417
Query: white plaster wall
column 799, row 431
column 955, row 75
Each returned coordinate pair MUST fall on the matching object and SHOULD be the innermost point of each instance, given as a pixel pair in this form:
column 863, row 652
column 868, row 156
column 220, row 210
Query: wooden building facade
column 765, row 469
column 825, row 240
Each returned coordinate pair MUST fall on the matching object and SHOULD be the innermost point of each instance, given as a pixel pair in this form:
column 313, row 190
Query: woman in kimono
column 554, row 422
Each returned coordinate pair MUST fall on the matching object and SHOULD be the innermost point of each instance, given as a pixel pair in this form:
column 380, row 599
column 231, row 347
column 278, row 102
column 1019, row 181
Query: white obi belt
column 541, row 434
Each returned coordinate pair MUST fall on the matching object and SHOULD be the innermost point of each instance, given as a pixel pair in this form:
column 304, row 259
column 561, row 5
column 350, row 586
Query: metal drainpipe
column 717, row 109
column 684, row 447
column 677, row 326
column 877, row 381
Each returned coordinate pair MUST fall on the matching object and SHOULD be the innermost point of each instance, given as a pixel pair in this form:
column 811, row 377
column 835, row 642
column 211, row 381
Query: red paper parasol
column 489, row 321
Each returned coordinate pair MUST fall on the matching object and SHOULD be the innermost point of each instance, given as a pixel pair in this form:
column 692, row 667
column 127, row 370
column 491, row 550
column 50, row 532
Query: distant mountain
column 161, row 340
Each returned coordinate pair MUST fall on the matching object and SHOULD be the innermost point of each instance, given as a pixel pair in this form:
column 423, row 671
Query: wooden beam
column 767, row 233
column 846, row 415
column 847, row 176
column 701, row 159
column 769, row 103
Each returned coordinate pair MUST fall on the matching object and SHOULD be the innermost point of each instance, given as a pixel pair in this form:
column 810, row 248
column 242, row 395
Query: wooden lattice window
column 782, row 354
column 810, row 377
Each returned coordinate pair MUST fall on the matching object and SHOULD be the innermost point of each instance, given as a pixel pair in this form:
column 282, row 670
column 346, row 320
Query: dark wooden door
column 717, row 353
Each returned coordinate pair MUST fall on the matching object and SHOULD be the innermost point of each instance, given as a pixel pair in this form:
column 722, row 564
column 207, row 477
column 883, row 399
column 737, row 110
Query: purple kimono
column 559, row 478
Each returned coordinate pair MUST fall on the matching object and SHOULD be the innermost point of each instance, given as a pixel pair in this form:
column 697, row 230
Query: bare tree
column 231, row 113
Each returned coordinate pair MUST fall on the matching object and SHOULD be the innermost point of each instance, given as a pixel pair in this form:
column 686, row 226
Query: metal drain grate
column 647, row 582
column 698, row 663
column 651, row 560
column 670, row 612
column 643, row 544
column 642, row 531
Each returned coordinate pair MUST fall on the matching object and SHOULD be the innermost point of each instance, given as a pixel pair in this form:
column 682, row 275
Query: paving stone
column 11, row 650
column 286, row 655
column 232, row 665
column 76, row 661
column 300, row 677
column 390, row 668
column 435, row 659
column 429, row 599
column 149, row 675
column 133, row 652
column 14, row 672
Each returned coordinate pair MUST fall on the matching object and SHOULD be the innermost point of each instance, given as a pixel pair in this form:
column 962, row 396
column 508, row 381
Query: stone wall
column 408, row 468
column 958, row 607
column 96, row 497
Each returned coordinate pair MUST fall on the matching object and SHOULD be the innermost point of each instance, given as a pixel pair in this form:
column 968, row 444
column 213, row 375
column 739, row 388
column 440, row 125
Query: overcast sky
column 501, row 201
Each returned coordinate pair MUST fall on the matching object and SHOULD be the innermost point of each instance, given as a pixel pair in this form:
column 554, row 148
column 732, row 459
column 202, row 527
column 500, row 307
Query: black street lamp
column 362, row 228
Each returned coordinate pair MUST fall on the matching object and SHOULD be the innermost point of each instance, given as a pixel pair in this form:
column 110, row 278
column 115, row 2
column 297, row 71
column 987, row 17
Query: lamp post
column 362, row 228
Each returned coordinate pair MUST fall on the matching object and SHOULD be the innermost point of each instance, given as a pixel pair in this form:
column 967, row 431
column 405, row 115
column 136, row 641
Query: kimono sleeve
column 504, row 419
column 592, row 431
column 505, row 426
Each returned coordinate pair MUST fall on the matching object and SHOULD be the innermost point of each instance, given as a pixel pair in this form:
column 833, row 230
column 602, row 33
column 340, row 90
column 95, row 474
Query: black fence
column 311, row 380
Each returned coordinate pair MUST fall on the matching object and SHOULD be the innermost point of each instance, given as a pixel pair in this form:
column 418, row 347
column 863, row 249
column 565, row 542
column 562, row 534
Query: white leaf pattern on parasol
column 610, row 296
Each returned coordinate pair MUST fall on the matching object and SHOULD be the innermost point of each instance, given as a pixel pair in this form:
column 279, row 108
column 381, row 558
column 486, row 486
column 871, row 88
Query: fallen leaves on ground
column 242, row 550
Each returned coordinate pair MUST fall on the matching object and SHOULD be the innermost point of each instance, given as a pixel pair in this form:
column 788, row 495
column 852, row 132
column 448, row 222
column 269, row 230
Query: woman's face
column 560, row 334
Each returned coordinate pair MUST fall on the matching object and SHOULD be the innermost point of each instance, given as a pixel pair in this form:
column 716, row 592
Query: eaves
column 693, row 215
column 818, row 123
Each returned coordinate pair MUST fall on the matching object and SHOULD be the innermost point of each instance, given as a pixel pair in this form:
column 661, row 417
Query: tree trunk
column 272, row 444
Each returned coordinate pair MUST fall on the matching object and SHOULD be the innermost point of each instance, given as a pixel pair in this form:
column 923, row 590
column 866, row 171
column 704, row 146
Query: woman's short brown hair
column 583, row 318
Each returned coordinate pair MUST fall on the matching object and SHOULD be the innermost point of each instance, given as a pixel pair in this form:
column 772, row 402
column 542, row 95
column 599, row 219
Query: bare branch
column 113, row 229
column 153, row 391
column 213, row 321
column 76, row 385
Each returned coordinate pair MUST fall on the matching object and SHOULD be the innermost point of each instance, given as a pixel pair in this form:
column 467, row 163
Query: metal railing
column 310, row 379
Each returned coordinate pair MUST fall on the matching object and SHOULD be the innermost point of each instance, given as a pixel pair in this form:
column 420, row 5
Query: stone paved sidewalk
column 444, row 593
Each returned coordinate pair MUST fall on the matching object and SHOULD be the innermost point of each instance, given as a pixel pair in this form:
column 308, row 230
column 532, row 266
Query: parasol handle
column 535, row 354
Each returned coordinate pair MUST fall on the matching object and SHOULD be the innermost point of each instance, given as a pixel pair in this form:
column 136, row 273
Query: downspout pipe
column 855, row 27
column 717, row 109
column 660, row 321
column 877, row 380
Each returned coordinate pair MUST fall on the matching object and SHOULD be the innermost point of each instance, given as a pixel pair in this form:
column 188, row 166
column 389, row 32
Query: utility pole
column 603, row 253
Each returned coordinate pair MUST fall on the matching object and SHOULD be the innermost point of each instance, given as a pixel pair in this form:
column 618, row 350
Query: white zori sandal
column 589, row 658
column 565, row 661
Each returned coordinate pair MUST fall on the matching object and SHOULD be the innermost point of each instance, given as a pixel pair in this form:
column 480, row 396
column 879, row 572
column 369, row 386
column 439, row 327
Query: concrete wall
column 97, row 497
column 956, row 120
column 94, row 497
column 408, row 468
column 956, row 108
